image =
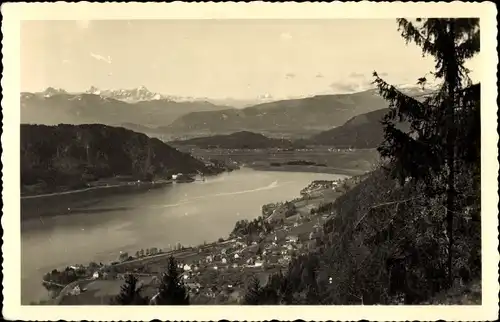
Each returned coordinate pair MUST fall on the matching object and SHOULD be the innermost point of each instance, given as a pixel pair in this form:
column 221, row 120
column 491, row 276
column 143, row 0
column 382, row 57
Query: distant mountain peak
column 140, row 93
column 51, row 91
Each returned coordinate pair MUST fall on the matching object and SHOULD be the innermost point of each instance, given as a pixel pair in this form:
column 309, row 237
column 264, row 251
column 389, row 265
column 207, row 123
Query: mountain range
column 295, row 116
column 133, row 95
column 141, row 93
column 363, row 131
column 154, row 114
column 54, row 106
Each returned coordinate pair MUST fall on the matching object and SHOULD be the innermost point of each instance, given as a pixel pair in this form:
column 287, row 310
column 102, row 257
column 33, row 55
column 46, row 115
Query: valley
column 270, row 162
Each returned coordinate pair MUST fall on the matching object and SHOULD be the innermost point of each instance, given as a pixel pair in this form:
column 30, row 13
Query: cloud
column 290, row 75
column 66, row 61
column 101, row 58
column 352, row 86
column 343, row 87
column 319, row 75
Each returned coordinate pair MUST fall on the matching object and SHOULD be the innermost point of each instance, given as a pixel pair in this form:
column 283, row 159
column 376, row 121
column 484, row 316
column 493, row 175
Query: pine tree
column 130, row 293
column 253, row 292
column 172, row 290
column 443, row 128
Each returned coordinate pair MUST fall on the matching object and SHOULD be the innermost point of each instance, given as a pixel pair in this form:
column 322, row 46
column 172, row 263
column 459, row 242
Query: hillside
column 237, row 140
column 63, row 108
column 362, row 132
column 384, row 244
column 69, row 156
column 287, row 116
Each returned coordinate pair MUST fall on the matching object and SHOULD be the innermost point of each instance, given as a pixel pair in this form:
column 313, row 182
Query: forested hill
column 360, row 132
column 71, row 155
column 237, row 140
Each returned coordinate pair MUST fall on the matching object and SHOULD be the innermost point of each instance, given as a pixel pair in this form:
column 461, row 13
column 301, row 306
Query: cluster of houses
column 234, row 258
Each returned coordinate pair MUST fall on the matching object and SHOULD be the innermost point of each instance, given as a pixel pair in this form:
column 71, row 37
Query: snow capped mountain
column 414, row 90
column 415, row 87
column 51, row 91
column 417, row 90
column 140, row 93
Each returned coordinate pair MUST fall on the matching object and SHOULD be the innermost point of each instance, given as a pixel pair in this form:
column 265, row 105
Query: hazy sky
column 217, row 58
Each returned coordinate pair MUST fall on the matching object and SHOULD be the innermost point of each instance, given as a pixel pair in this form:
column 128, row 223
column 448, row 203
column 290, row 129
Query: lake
column 189, row 213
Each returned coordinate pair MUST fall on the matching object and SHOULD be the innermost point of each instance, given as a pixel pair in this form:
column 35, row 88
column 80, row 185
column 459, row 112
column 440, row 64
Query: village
column 218, row 272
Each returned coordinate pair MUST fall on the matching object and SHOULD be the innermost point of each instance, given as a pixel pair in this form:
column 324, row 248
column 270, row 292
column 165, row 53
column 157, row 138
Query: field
column 325, row 160
column 101, row 292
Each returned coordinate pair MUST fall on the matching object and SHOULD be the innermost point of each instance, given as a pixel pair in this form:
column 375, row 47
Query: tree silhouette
column 259, row 251
column 443, row 127
column 253, row 292
column 171, row 290
column 130, row 293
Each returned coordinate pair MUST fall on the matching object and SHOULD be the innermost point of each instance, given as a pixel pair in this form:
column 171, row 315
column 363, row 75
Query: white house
column 76, row 290
column 186, row 268
column 258, row 264
column 215, row 267
column 176, row 176
column 224, row 261
column 96, row 275
column 235, row 265
column 236, row 256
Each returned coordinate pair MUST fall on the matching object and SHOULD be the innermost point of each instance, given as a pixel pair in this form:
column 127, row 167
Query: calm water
column 186, row 213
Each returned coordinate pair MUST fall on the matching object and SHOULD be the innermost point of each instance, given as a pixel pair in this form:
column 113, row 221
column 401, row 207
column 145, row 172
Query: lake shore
column 303, row 205
column 305, row 168
column 68, row 202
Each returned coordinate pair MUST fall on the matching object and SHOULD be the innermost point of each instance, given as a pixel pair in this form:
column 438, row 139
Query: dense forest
column 237, row 140
column 363, row 131
column 72, row 155
column 412, row 228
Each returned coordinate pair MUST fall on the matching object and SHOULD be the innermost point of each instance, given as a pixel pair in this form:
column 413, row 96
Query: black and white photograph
column 232, row 162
